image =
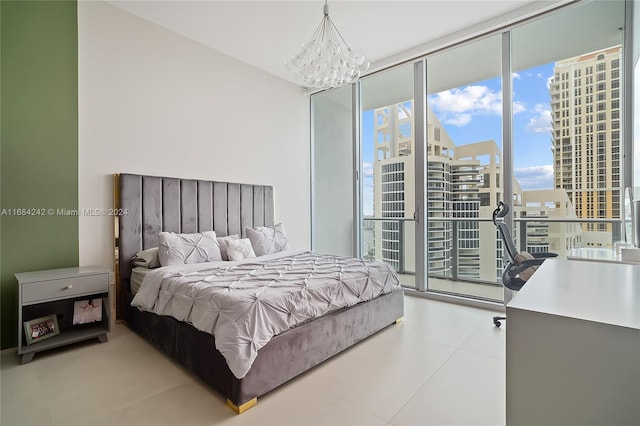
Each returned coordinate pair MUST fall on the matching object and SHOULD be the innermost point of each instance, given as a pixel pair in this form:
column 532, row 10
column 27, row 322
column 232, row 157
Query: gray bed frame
column 153, row 204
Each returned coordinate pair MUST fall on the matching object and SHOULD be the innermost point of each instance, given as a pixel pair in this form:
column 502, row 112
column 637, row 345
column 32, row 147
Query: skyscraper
column 393, row 180
column 464, row 184
column 585, row 105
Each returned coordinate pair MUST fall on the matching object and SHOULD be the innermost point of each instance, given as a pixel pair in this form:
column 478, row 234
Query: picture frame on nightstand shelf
column 87, row 311
column 41, row 328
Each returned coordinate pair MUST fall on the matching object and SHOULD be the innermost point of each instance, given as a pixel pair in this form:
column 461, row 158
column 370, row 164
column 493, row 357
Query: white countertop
column 595, row 254
column 595, row 291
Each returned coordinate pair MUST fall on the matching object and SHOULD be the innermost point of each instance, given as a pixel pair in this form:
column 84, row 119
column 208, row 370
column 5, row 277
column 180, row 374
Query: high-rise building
column 585, row 105
column 464, row 183
column 393, row 192
column 458, row 184
column 549, row 236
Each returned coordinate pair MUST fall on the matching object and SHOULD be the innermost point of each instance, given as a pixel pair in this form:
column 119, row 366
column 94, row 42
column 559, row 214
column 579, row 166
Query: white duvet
column 245, row 303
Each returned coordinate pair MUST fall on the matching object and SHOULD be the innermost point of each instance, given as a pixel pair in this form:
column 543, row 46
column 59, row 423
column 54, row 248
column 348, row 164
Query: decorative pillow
column 177, row 249
column 147, row 258
column 222, row 242
column 268, row 239
column 240, row 249
column 521, row 257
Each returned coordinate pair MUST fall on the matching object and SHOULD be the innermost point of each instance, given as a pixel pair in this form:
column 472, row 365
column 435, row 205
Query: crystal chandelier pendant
column 327, row 60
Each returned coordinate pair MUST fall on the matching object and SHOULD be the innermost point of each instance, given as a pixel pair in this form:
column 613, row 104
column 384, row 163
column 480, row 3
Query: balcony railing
column 438, row 249
column 450, row 257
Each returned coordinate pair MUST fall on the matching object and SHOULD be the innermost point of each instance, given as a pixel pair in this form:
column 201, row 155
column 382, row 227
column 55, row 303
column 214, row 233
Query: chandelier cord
column 333, row 26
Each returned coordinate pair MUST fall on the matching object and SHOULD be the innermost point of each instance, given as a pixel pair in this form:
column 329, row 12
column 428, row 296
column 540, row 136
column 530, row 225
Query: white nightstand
column 54, row 292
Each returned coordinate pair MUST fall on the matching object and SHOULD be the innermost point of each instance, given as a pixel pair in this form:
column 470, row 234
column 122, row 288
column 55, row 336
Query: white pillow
column 178, row 249
column 268, row 239
column 147, row 258
column 222, row 242
column 240, row 249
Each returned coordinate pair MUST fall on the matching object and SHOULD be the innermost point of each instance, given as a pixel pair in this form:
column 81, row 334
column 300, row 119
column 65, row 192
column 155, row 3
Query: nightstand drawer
column 64, row 288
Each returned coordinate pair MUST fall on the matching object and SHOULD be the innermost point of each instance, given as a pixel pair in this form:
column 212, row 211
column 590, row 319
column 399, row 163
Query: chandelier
column 327, row 60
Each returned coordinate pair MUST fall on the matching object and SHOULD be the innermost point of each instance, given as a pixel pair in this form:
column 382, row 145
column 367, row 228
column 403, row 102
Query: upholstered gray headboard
column 153, row 204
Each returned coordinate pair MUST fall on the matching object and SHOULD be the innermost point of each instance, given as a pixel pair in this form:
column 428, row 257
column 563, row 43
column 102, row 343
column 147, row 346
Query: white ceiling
column 266, row 33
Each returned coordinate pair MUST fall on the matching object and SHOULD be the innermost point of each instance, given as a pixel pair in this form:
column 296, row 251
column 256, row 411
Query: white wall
column 153, row 102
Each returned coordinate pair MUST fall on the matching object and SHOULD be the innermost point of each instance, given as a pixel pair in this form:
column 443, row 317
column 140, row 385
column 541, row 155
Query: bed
column 152, row 204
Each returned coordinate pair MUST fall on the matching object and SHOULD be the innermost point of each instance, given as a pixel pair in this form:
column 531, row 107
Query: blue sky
column 472, row 113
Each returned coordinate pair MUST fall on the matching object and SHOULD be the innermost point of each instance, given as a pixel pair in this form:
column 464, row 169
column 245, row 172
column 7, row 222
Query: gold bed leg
column 244, row 407
column 399, row 320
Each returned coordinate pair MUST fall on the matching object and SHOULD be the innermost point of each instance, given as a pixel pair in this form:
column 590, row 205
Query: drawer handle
column 69, row 287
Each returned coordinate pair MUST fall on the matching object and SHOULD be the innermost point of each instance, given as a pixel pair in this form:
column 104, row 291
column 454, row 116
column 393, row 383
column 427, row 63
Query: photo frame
column 87, row 311
column 41, row 328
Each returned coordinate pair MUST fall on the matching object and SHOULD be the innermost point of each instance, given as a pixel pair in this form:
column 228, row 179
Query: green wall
column 39, row 145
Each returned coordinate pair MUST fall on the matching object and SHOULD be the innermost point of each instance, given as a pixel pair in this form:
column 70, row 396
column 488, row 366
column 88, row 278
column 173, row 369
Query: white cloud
column 458, row 120
column 367, row 170
column 549, row 80
column 470, row 99
column 535, row 177
column 459, row 106
column 541, row 121
column 541, row 108
column 519, row 107
column 535, row 75
column 516, row 76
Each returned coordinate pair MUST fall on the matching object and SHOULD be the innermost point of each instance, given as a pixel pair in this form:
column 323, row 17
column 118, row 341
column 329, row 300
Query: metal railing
column 523, row 238
column 453, row 248
column 401, row 268
column 449, row 254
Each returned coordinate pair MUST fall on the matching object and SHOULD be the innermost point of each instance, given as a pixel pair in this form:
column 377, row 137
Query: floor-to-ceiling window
column 531, row 115
column 464, row 169
column 388, row 164
column 567, row 125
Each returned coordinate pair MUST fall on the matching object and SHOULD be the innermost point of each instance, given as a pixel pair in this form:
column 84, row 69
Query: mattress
column 137, row 276
column 246, row 303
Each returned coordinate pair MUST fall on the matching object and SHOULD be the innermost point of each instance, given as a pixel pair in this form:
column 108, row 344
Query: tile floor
column 444, row 365
column 464, row 288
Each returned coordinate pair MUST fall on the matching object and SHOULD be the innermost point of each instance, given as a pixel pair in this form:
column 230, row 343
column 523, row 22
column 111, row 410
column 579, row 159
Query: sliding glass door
column 388, row 164
column 464, row 169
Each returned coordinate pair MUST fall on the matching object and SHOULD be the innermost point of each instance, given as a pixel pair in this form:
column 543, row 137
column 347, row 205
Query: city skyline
column 473, row 113
column 576, row 158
